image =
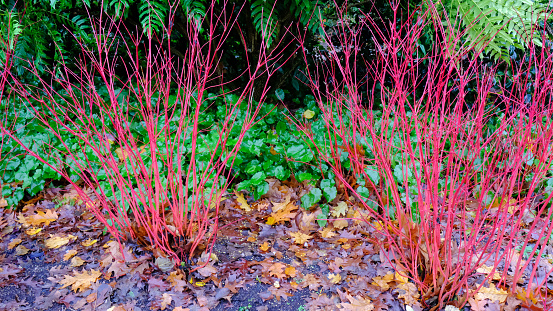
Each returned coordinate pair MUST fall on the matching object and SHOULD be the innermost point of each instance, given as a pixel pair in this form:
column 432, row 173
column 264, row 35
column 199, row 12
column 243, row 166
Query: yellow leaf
column 401, row 278
column 300, row 238
column 123, row 154
column 199, row 284
column 21, row 250
column 77, row 261
column 14, row 243
column 81, row 281
column 340, row 209
column 69, row 254
column 309, row 114
column 488, row 270
column 264, row 247
column 492, row 294
column 382, row 282
column 243, row 203
column 58, row 241
column 33, row 231
column 409, row 293
column 334, row 278
column 285, row 214
column 278, row 206
column 89, row 242
column 251, row 239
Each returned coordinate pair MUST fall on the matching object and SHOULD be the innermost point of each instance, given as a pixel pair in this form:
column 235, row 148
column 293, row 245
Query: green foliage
column 492, row 25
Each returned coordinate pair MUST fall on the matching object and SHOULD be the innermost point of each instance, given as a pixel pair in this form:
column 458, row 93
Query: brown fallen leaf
column 290, row 271
column 14, row 243
column 409, row 293
column 334, row 278
column 340, row 224
column 283, row 215
column 21, row 250
column 277, row 269
column 264, row 247
column 382, row 282
column 340, row 210
column 492, row 294
column 279, row 206
column 357, row 304
column 327, row 232
column 81, row 281
column 69, row 254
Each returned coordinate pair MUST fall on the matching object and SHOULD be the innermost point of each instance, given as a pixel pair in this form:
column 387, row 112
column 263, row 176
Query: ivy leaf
column 281, row 173
column 372, row 172
column 311, row 198
column 329, row 190
column 258, row 178
column 262, row 189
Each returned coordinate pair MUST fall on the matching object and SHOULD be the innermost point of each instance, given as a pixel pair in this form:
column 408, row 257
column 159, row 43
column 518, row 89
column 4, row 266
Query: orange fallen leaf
column 251, row 239
column 277, row 269
column 409, row 293
column 279, row 206
column 283, row 215
column 327, row 232
column 290, row 271
column 39, row 218
column 81, row 281
column 299, row 237
column 264, row 247
column 91, row 298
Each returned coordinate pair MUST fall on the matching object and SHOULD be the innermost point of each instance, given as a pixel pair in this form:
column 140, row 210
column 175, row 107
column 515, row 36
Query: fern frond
column 195, row 11
column 152, row 15
column 264, row 19
column 493, row 25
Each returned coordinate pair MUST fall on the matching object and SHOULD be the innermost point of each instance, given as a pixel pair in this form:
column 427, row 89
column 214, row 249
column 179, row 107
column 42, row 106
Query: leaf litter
column 274, row 257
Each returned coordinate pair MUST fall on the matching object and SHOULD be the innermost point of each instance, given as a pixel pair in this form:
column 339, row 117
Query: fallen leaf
column 308, row 114
column 58, row 241
column 340, row 210
column 264, row 247
column 243, row 203
column 334, row 278
column 279, row 206
column 409, row 293
column 89, row 242
column 299, row 237
column 21, row 250
column 207, row 271
column 38, row 219
column 356, row 304
column 492, row 294
column 487, row 270
column 340, row 224
column 382, row 282
column 33, row 231
column 283, row 215
column 290, row 271
column 277, row 269
column 81, row 281
column 69, row 254
column 76, row 261
column 327, row 232
column 14, row 243
column 166, row 300
column 91, row 298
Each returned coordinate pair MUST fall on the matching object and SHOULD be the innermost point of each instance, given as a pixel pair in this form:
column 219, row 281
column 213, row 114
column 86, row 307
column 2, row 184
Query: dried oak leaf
column 277, row 269
column 242, row 202
column 69, row 254
column 340, row 209
column 58, row 241
column 14, row 243
column 334, row 278
column 356, row 304
column 21, row 250
column 77, row 261
column 279, row 206
column 283, row 215
column 299, row 237
column 81, row 281
column 382, row 282
column 264, row 247
column 39, row 218
column 492, row 294
column 409, row 293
